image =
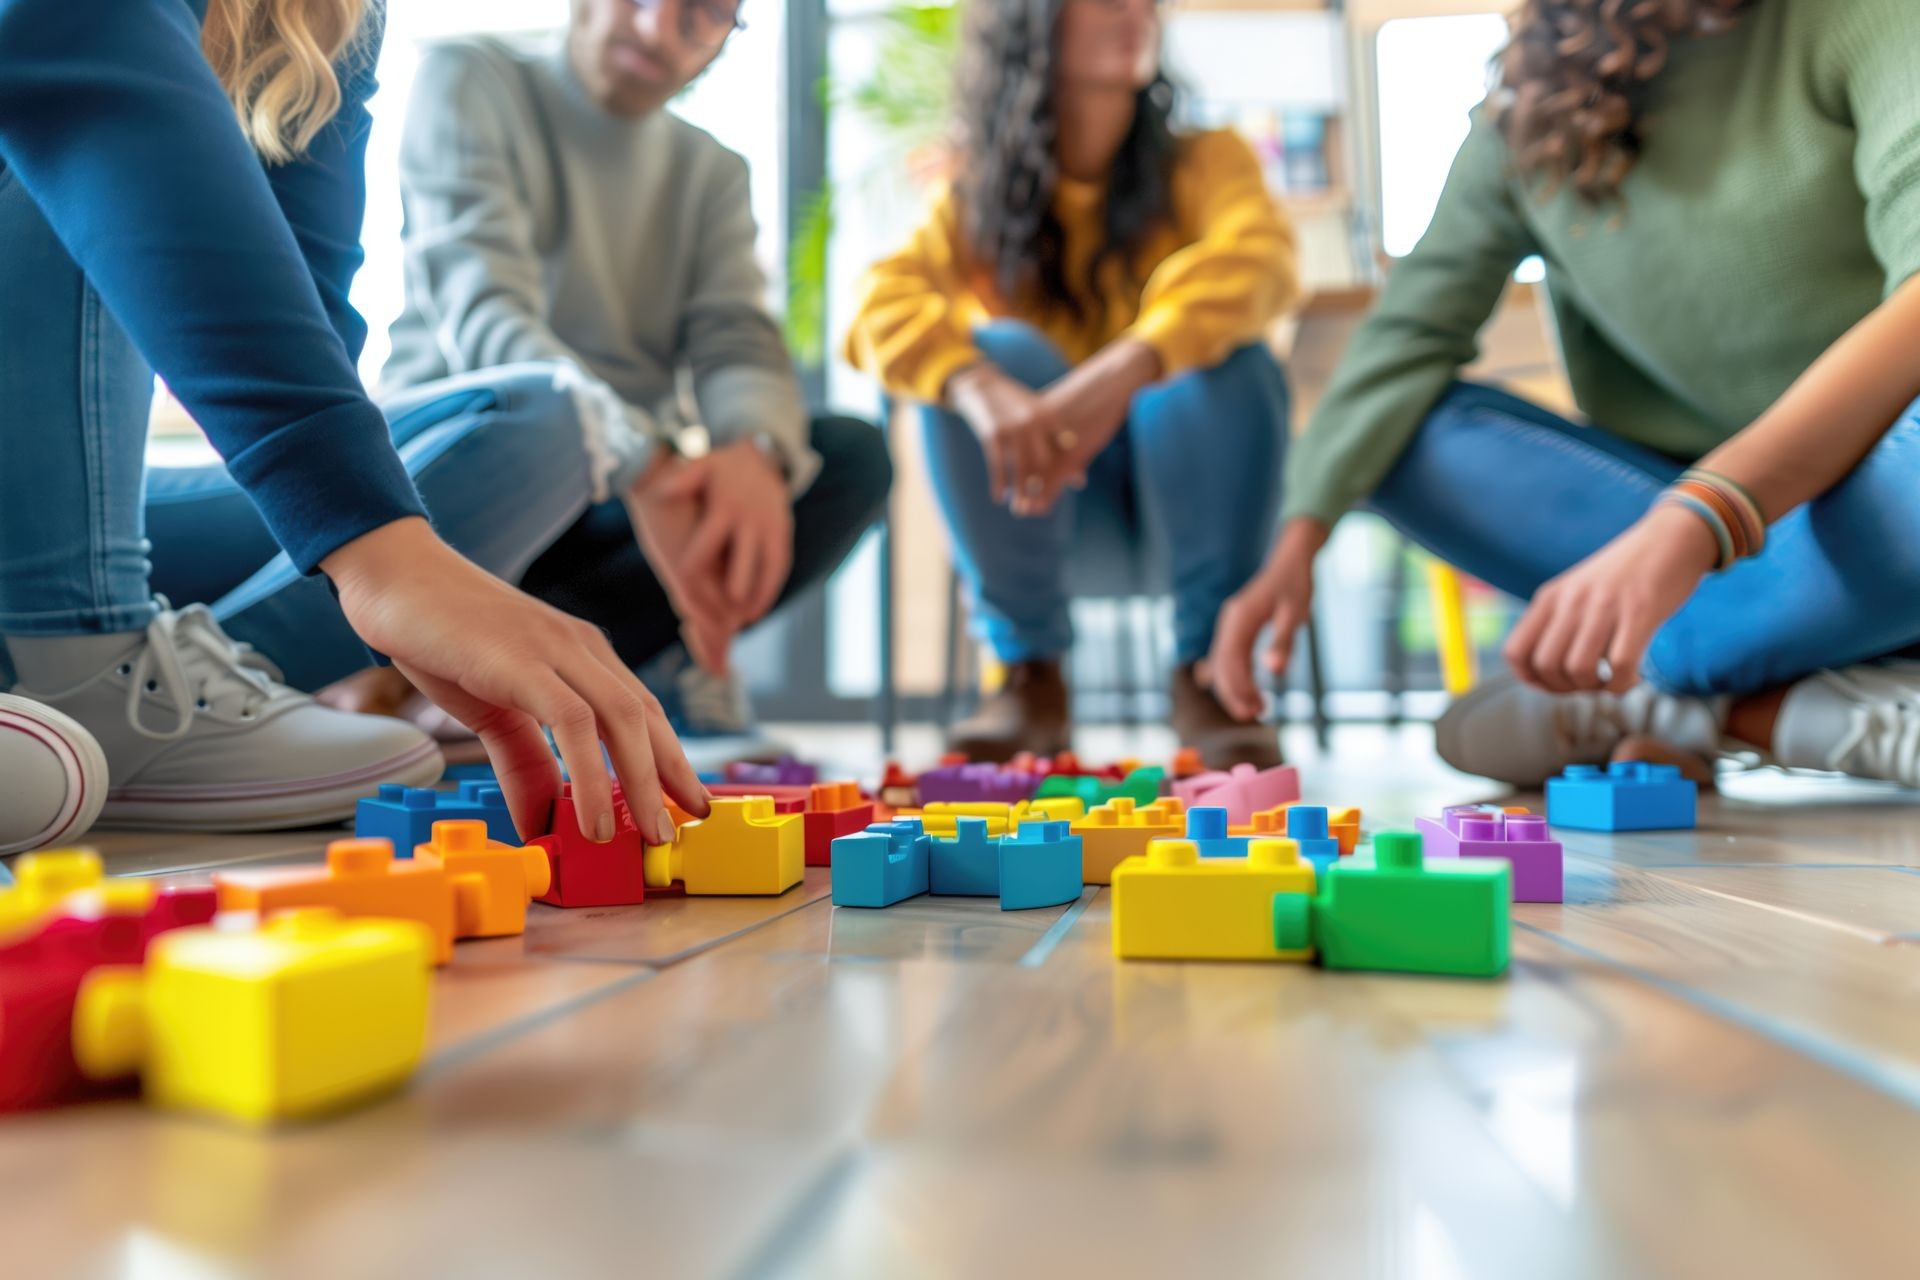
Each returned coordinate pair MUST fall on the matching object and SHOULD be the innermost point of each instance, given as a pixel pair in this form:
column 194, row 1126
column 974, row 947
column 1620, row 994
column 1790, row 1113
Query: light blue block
column 405, row 815
column 1629, row 796
column 885, row 864
column 1207, row 828
column 1039, row 866
column 1307, row 827
column 967, row 865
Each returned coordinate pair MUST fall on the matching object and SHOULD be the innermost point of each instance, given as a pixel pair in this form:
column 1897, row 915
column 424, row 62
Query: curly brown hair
column 1575, row 78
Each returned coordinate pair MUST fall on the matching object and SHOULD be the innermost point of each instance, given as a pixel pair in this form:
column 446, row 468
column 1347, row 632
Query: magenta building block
column 1481, row 831
column 977, row 783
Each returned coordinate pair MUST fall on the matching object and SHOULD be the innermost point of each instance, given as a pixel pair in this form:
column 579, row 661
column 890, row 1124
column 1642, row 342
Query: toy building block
column 1187, row 763
column 1090, row 792
column 360, row 878
column 834, row 809
column 404, row 816
column 42, row 881
column 582, row 873
column 970, row 782
column 1175, row 904
column 967, row 864
column 785, row 772
column 786, row 799
column 306, row 1014
column 1120, row 830
column 1039, row 866
column 898, row 788
column 742, row 848
column 1189, row 789
column 1207, row 830
column 1479, row 831
column 942, row 818
column 1243, row 791
column 885, row 864
column 492, row 882
column 1628, row 796
column 1307, row 827
column 1142, row 786
column 1342, row 824
column 1402, row 913
column 43, row 970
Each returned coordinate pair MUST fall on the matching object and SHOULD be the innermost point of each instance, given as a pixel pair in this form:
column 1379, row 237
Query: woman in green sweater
column 1727, row 197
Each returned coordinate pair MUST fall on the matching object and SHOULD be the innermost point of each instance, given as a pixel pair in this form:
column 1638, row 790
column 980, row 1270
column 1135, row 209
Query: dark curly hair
column 1575, row 79
column 1007, row 170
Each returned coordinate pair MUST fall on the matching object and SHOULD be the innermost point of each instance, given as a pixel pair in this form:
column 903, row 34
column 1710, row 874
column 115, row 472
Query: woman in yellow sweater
column 1079, row 318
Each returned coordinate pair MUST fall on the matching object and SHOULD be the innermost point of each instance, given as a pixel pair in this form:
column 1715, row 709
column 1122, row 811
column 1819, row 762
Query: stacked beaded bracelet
column 1728, row 510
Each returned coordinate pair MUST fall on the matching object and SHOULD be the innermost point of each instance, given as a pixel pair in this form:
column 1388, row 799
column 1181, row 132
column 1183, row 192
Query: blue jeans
column 1196, row 468
column 1514, row 494
column 497, row 457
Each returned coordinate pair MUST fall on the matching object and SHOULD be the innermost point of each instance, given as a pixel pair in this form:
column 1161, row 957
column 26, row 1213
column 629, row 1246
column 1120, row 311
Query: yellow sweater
column 1214, row 279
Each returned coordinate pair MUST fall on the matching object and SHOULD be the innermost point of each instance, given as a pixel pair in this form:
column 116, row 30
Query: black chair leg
column 1317, row 684
column 1127, row 656
column 889, row 709
column 950, row 695
column 1395, row 646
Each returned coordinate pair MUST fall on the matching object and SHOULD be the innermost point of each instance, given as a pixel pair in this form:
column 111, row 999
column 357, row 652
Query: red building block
column 898, row 788
column 42, row 972
column 834, row 809
column 585, row 874
column 785, row 799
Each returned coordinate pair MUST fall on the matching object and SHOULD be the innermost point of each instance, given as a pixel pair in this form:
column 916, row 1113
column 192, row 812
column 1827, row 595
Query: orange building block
column 1119, row 830
column 360, row 878
column 1343, row 825
column 834, row 809
column 1187, row 763
column 743, row 847
column 492, row 882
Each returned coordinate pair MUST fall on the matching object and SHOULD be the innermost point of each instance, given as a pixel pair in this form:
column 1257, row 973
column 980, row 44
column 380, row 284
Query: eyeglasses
column 704, row 21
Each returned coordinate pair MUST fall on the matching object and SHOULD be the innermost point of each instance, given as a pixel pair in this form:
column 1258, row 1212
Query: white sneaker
column 1863, row 721
column 53, row 777
column 200, row 734
column 1508, row 731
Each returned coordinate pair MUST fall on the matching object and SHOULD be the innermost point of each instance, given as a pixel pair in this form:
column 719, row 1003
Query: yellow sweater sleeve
column 1241, row 270
column 911, row 330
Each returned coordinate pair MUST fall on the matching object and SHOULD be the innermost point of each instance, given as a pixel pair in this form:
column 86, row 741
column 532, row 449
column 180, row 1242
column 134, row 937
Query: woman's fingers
column 1630, row 640
column 543, row 693
column 1591, row 638
column 776, row 564
column 522, row 760
column 1525, row 636
column 1230, row 662
column 743, row 569
column 1287, row 618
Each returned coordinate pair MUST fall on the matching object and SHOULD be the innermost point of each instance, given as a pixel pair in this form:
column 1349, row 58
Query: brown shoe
column 1029, row 712
column 1203, row 724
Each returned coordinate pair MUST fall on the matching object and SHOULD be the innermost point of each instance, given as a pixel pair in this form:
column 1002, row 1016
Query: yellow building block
column 492, row 882
column 41, row 881
column 741, row 847
column 308, row 1013
column 1118, row 830
column 942, row 818
column 1174, row 904
column 1343, row 825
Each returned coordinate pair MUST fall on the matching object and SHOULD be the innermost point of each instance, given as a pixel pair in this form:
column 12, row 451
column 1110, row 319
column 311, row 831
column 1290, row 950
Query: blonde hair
column 275, row 60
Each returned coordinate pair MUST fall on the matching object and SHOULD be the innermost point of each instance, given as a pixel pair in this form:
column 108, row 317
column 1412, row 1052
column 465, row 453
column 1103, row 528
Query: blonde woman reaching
column 181, row 191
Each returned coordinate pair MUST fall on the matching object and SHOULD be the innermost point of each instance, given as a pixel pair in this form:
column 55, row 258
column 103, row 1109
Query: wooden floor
column 1707, row 1063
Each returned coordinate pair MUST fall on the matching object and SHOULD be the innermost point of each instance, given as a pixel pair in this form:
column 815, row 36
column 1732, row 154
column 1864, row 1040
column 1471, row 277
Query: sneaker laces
column 1883, row 728
column 189, row 658
column 1594, row 723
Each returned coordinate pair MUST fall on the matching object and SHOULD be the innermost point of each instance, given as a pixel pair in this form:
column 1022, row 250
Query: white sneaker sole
column 268, row 806
column 80, row 759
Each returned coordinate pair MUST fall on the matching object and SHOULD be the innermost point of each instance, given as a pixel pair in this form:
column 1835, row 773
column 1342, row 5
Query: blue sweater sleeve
column 113, row 123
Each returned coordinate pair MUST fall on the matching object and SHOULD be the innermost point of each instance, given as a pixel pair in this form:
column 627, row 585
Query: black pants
column 595, row 570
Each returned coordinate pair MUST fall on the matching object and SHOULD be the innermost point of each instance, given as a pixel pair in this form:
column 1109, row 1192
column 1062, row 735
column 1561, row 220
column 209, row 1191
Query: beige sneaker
column 1519, row 735
column 53, row 777
column 199, row 733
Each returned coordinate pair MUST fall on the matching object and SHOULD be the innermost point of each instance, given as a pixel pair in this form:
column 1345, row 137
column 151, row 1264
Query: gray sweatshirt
column 539, row 227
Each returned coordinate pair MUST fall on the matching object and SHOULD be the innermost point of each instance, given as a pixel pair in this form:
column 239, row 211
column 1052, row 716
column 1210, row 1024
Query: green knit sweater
column 1777, row 202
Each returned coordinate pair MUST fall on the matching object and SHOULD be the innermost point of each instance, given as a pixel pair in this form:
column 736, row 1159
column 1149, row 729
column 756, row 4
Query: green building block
column 1142, row 786
column 1449, row 916
column 1059, row 784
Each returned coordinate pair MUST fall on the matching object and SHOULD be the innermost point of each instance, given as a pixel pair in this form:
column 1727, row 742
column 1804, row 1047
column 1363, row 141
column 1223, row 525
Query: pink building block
column 1481, row 831
column 1243, row 792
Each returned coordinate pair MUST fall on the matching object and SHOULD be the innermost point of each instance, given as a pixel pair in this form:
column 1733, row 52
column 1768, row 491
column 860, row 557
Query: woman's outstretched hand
column 1280, row 594
column 1609, row 605
column 506, row 666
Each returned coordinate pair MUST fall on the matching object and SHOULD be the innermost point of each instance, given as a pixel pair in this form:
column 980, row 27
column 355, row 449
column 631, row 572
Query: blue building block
column 405, row 815
column 967, row 865
column 1629, row 796
column 1207, row 828
column 885, row 864
column 1039, row 866
column 1307, row 827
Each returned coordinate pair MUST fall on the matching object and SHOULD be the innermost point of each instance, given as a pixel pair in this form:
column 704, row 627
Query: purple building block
column 977, row 783
column 1481, row 831
column 785, row 772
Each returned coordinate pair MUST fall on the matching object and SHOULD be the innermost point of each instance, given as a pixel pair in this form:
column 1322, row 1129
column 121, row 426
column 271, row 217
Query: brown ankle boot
column 1203, row 724
column 1027, row 713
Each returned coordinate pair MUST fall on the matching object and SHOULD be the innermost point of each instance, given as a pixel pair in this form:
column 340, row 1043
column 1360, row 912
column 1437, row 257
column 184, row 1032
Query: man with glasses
column 557, row 213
